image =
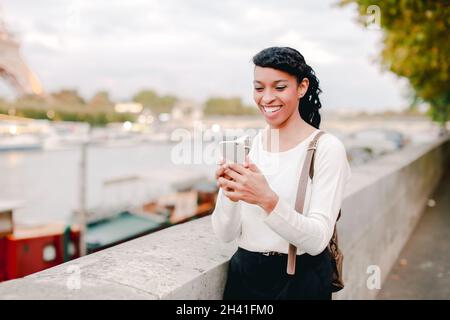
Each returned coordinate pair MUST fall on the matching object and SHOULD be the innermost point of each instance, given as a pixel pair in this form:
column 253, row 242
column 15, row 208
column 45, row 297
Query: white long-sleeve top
column 311, row 231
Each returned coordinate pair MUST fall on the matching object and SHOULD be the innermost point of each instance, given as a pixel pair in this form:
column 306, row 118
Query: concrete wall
column 381, row 208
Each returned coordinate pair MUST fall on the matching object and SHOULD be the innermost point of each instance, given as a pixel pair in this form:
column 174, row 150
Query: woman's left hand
column 249, row 185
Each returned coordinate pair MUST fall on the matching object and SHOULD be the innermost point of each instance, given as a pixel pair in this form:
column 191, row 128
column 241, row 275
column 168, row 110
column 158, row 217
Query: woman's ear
column 302, row 88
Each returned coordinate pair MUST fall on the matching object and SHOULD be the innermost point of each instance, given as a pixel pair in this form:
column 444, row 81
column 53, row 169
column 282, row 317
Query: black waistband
column 305, row 259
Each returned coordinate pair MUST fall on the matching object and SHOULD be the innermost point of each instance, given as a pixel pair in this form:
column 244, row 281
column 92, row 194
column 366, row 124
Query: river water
column 46, row 183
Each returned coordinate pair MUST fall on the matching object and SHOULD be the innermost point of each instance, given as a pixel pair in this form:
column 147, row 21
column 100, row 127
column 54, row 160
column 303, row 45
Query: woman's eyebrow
column 276, row 81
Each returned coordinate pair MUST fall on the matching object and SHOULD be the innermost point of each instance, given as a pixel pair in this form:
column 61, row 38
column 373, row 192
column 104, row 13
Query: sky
column 197, row 49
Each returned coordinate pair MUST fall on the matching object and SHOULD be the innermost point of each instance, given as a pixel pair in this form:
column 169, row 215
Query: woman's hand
column 220, row 173
column 248, row 184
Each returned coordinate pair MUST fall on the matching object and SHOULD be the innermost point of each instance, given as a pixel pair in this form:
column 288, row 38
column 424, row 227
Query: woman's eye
column 258, row 89
column 280, row 88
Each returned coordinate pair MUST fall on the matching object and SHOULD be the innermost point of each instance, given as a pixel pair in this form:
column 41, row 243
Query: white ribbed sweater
column 310, row 232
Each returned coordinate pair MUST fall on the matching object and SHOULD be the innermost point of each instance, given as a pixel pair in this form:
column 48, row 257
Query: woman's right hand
column 220, row 173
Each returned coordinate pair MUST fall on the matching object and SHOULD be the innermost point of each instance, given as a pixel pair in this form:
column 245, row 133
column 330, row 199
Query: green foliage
column 31, row 102
column 416, row 45
column 68, row 97
column 95, row 119
column 156, row 103
column 230, row 106
column 68, row 105
column 101, row 100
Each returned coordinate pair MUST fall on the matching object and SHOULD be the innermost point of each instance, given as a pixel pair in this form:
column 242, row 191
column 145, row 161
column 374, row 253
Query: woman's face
column 277, row 94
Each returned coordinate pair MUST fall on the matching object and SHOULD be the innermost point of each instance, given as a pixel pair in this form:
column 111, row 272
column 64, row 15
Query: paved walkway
column 422, row 270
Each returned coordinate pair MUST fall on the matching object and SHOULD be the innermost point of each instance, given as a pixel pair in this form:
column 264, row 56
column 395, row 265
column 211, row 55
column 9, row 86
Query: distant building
column 128, row 107
column 187, row 109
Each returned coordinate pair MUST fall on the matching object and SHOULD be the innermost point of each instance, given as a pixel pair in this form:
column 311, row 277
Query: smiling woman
column 259, row 202
column 284, row 80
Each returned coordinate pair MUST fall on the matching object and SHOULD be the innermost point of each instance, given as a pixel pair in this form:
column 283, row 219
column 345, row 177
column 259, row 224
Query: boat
column 66, row 134
column 20, row 142
column 20, row 134
column 28, row 249
column 192, row 197
column 114, row 230
column 188, row 197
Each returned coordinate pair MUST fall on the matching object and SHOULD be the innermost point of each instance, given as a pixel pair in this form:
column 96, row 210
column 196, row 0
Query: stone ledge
column 188, row 262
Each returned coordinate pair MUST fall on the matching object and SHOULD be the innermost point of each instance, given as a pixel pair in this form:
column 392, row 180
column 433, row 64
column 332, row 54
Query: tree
column 227, row 106
column 101, row 100
column 68, row 97
column 157, row 104
column 31, row 101
column 416, row 45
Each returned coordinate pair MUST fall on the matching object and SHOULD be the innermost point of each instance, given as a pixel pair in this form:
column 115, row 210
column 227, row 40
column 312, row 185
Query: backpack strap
column 308, row 168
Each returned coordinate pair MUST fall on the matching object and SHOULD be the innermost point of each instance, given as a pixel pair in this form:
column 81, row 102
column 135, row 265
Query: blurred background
column 92, row 92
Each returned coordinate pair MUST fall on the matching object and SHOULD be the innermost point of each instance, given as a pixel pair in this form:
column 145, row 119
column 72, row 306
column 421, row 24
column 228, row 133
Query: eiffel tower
column 13, row 68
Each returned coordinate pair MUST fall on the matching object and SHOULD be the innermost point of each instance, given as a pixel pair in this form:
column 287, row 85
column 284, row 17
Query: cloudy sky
column 197, row 48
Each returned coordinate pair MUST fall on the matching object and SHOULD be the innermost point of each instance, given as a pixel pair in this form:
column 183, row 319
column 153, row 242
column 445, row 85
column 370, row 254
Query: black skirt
column 254, row 276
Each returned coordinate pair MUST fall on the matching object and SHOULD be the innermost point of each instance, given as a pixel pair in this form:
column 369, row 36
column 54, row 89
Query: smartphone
column 233, row 151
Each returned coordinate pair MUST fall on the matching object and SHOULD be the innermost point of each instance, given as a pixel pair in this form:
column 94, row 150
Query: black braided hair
column 291, row 61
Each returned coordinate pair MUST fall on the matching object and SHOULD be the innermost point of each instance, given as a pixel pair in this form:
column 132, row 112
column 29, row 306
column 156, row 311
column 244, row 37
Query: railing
column 382, row 205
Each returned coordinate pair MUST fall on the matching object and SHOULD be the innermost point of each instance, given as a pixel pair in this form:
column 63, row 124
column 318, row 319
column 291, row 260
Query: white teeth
column 272, row 109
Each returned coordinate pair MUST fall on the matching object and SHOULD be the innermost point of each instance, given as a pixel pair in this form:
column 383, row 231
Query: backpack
column 335, row 253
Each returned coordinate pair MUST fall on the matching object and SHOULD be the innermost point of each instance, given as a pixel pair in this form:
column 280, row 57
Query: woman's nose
column 267, row 98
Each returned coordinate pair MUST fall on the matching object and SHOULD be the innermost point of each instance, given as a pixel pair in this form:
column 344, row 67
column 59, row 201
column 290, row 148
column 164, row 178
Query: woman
column 256, row 204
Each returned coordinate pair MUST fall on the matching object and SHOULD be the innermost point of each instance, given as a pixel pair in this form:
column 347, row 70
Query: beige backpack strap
column 308, row 168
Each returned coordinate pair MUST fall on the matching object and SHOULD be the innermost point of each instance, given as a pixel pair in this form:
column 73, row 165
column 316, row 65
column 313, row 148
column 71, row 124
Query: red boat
column 24, row 251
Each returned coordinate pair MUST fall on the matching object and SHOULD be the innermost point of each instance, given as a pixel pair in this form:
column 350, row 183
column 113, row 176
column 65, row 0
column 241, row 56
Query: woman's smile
column 271, row 112
column 272, row 109
column 276, row 93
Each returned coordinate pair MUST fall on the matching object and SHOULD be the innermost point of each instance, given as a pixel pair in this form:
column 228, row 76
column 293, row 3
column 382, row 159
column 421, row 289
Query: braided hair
column 291, row 61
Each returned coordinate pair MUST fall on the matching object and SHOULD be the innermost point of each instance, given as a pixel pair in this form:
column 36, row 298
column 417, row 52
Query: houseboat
column 26, row 250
